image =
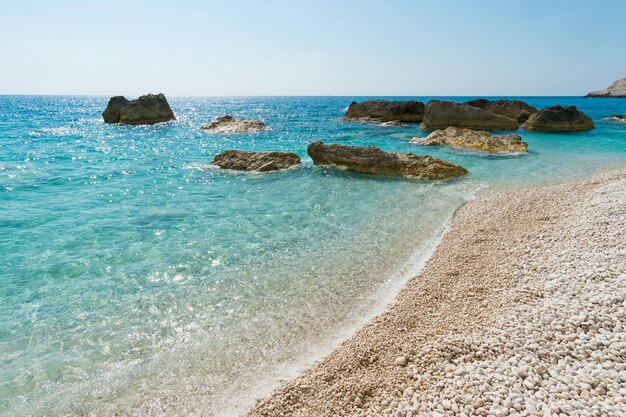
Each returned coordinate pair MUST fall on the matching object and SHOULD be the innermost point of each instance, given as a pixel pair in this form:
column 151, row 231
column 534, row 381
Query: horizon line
column 292, row 95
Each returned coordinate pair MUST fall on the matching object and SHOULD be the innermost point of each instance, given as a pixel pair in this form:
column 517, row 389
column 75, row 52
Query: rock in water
column 618, row 117
column 617, row 89
column 441, row 114
column 228, row 124
column 372, row 160
column 256, row 161
column 112, row 113
column 474, row 139
column 385, row 111
column 513, row 109
column 558, row 119
column 145, row 110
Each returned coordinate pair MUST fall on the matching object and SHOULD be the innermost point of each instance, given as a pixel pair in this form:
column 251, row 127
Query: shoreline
column 392, row 365
column 375, row 304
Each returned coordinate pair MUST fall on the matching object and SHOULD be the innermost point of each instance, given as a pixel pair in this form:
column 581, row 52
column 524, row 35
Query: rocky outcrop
column 617, row 90
column 475, row 140
column 441, row 114
column 558, row 119
column 256, row 161
column 112, row 112
column 228, row 124
column 146, row 110
column 372, row 160
column 513, row 109
column 617, row 117
column 385, row 111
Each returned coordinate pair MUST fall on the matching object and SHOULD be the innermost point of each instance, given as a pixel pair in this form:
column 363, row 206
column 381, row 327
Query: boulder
column 474, row 139
column 617, row 117
column 441, row 114
column 256, row 161
column 228, row 124
column 558, row 119
column 146, row 110
column 385, row 111
column 617, row 90
column 513, row 109
column 373, row 160
column 112, row 112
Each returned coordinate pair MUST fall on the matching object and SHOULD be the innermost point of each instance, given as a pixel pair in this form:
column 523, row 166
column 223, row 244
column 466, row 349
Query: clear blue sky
column 322, row 47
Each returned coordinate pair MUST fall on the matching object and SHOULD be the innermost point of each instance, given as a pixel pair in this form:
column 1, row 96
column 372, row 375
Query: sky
column 321, row 47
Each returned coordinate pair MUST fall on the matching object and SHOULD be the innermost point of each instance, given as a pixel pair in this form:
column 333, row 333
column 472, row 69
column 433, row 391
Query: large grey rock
column 373, row 160
column 147, row 109
column 513, row 109
column 228, row 124
column 475, row 140
column 617, row 89
column 256, row 161
column 558, row 119
column 112, row 112
column 441, row 114
column 385, row 111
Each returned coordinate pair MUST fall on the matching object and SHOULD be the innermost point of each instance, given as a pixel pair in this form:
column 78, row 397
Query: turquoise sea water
column 137, row 279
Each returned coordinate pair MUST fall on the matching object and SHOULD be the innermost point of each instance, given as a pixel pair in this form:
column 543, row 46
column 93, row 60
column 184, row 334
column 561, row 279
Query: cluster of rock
column 558, row 119
column 475, row 140
column 228, row 124
column 458, row 125
column 372, row 160
column 256, row 161
column 615, row 90
column 479, row 114
column 385, row 111
column 147, row 109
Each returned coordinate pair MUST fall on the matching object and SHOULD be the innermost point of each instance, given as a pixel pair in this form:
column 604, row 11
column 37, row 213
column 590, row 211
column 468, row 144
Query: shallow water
column 136, row 278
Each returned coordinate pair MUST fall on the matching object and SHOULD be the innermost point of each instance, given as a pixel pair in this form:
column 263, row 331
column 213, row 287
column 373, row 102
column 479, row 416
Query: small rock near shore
column 401, row 361
column 558, row 119
column 475, row 140
column 385, row 111
column 256, row 161
column 618, row 117
column 228, row 124
column 373, row 160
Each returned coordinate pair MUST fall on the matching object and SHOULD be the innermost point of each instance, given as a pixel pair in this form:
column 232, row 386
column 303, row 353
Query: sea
column 138, row 279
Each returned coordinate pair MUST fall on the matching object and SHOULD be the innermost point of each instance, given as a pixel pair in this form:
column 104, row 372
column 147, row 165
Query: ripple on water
column 136, row 277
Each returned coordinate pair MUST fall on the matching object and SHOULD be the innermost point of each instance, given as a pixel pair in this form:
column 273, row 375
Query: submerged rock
column 373, row 160
column 147, row 109
column 513, row 109
column 558, row 119
column 617, row 89
column 256, row 161
column 441, row 114
column 617, row 117
column 474, row 139
column 228, row 124
column 385, row 111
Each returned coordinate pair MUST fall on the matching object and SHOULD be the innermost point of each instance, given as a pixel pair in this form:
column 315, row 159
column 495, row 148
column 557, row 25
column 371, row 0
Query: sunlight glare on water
column 136, row 278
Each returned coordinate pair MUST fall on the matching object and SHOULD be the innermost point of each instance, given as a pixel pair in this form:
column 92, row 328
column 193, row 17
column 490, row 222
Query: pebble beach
column 520, row 312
